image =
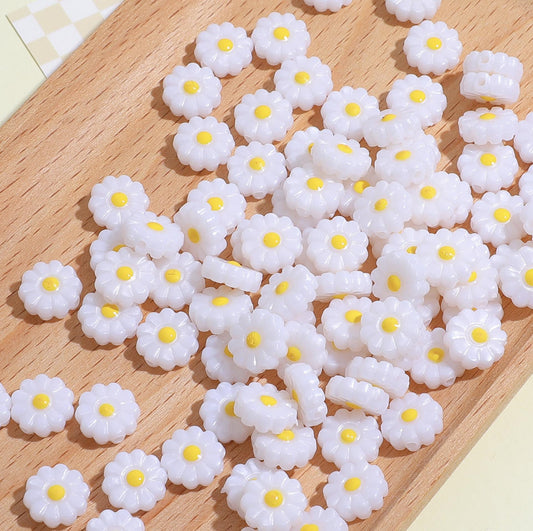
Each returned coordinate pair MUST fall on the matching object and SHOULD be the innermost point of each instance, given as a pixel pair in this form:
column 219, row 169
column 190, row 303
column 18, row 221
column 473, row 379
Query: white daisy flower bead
column 412, row 421
column 263, row 116
column 177, row 279
column 231, row 274
column 523, row 139
column 107, row 413
column 304, row 81
column 382, row 374
column 475, row 339
column 408, row 241
column 348, row 437
column 303, row 385
column 273, row 501
column 350, row 393
column 279, row 37
column 493, row 88
column 224, row 48
column 433, row 366
column 108, row 322
column 321, row 519
column 240, row 475
column 390, row 328
column 342, row 283
column 134, row 481
column 191, row 90
column 419, row 95
column 493, row 306
column 311, row 196
column 327, row 5
column 494, row 63
column 216, row 310
column 107, row 240
column 304, row 345
column 382, row 209
column 192, row 457
column 115, row 199
column 341, row 159
column 167, row 339
column 154, row 235
column 496, row 218
column 218, row 414
column 218, row 361
column 289, row 449
column 265, row 408
column 203, row 143
column 356, row 490
column 109, row 520
column 56, row 496
column 488, row 126
column 42, row 405
column 353, row 189
column 525, row 185
column 280, row 208
column 5, row 407
column 447, row 257
column 336, row 245
column 256, row 169
column 399, row 275
column 341, row 322
column 345, row 111
column 298, row 148
column 488, row 168
column 432, row 47
column 440, row 200
column 268, row 243
column 414, row 11
column 258, row 341
column 50, row 290
column 289, row 292
column 388, row 127
column 124, row 277
column 409, row 162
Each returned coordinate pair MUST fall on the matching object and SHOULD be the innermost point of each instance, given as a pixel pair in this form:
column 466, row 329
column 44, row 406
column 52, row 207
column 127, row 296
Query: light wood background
column 102, row 114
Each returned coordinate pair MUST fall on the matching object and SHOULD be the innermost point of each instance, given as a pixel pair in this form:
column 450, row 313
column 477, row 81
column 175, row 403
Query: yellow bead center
column 257, row 163
column 345, row 148
column 353, row 316
column 502, row 215
column 394, row 283
column 216, row 203
column 225, row 45
column 339, row 242
column 409, row 415
column 220, row 301
column 135, row 478
column 282, row 287
column 388, row 117
column 352, row 109
column 194, row 235
column 281, row 33
column 309, row 527
column 172, row 275
column 253, row 339
column 294, row 395
column 229, row 408
column 411, row 249
column 472, row 277
column 110, row 311
column 352, row 405
column 315, row 183
column 417, row 96
column 302, row 78
column 404, row 154
column 125, row 273
column 294, row 353
column 56, row 492
column 528, row 277
column 446, row 253
column 204, row 137
column 434, row 43
column 487, row 116
column 234, row 263
column 154, row 225
column 167, row 334
column 119, row 199
column 348, row 436
column 273, row 498
column 50, row 283
column 271, row 239
column 381, row 204
column 488, row 159
column 360, row 186
column 118, row 247
column 262, row 112
column 286, row 435
column 310, row 147
column 352, row 484
column 192, row 453
column 227, row 352
column 106, row 410
column 268, row 400
column 41, row 401
column 480, row 335
column 428, row 192
column 435, row 354
column 191, row 86
column 390, row 325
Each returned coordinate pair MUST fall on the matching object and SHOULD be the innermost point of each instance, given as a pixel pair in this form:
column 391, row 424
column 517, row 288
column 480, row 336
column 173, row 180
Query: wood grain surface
column 102, row 114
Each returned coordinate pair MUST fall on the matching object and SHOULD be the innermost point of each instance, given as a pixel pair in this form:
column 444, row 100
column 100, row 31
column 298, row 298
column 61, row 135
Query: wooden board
column 101, row 114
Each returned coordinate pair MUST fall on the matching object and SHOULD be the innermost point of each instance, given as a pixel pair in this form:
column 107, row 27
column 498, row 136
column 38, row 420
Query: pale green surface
column 489, row 491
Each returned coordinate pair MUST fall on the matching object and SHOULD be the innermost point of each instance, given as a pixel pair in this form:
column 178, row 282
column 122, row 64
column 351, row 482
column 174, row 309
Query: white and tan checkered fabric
column 53, row 29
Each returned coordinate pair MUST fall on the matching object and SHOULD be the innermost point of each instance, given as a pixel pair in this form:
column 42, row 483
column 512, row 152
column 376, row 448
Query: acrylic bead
column 388, row 128
column 414, row 11
column 109, row 520
column 342, row 283
column 488, row 126
column 231, row 274
column 107, row 240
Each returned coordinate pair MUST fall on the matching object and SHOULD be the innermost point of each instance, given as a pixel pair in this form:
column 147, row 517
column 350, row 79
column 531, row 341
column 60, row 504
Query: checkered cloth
column 53, row 29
